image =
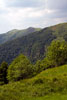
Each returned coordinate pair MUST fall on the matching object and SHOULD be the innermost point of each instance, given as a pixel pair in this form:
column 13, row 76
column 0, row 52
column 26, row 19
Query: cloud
column 58, row 4
column 21, row 14
column 25, row 3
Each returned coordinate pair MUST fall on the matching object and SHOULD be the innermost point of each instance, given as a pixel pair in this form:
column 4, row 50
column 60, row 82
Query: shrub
column 57, row 53
column 3, row 73
column 19, row 69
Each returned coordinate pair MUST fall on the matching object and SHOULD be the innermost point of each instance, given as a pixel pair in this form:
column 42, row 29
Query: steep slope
column 60, row 30
column 13, row 34
column 32, row 45
column 49, row 85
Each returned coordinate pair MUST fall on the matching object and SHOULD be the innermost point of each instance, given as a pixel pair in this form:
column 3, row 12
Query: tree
column 19, row 69
column 3, row 73
column 57, row 53
column 39, row 67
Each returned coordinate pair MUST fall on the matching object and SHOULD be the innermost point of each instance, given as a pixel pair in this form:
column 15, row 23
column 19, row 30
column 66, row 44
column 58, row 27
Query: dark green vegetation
column 47, row 79
column 19, row 69
column 49, row 85
column 3, row 73
column 57, row 53
column 13, row 34
column 44, row 80
column 33, row 45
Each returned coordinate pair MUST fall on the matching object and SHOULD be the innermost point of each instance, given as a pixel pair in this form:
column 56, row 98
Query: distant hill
column 13, row 34
column 32, row 45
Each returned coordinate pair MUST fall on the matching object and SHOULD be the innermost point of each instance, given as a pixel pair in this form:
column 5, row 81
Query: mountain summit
column 32, row 45
column 15, row 33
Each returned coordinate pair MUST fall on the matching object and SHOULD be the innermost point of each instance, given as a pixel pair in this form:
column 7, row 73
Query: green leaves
column 19, row 69
column 57, row 52
column 3, row 73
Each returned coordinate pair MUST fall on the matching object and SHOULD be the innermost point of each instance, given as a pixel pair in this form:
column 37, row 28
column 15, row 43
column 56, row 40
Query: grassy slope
column 49, row 85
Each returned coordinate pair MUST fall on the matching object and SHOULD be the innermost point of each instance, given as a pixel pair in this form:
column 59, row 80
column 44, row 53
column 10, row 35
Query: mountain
column 13, row 34
column 32, row 45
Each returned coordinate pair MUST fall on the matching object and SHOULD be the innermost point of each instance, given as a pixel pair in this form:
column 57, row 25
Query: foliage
column 33, row 46
column 19, row 69
column 15, row 33
column 57, row 53
column 39, row 66
column 49, row 84
column 3, row 73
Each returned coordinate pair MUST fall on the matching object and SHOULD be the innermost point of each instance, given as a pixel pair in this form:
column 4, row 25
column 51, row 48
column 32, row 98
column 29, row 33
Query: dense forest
column 45, row 77
column 33, row 45
column 15, row 33
column 22, row 68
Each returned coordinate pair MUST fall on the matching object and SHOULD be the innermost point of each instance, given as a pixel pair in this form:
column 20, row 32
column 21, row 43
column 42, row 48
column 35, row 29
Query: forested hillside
column 44, row 80
column 33, row 45
column 13, row 34
column 33, row 50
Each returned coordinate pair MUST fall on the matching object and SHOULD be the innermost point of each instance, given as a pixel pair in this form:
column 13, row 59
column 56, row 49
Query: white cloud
column 2, row 3
column 24, row 13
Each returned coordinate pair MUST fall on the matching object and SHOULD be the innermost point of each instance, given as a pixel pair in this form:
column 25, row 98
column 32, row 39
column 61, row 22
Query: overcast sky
column 20, row 14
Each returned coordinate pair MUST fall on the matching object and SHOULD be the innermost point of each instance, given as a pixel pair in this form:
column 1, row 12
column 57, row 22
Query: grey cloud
column 59, row 7
column 8, row 13
column 57, row 4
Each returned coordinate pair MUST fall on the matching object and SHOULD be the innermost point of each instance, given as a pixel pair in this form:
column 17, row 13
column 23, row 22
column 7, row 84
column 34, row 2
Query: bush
column 38, row 81
column 19, row 69
column 3, row 73
column 57, row 53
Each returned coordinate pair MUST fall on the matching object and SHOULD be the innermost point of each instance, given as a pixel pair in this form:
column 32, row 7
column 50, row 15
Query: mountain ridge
column 15, row 33
column 32, row 45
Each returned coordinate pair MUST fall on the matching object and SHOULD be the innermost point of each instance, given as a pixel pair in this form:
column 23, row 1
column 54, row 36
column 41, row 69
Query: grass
column 48, row 85
column 51, row 97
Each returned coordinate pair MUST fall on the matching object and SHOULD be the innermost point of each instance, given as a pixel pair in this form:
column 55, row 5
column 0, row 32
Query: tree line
column 22, row 68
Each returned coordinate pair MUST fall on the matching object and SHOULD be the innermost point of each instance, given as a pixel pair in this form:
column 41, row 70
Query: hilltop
column 15, row 33
column 34, row 44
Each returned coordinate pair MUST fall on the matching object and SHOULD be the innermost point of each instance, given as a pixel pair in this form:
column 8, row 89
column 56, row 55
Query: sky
column 21, row 14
